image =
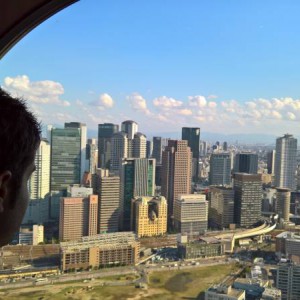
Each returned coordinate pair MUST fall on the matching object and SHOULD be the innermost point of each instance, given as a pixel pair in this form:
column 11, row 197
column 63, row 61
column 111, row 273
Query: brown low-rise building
column 102, row 250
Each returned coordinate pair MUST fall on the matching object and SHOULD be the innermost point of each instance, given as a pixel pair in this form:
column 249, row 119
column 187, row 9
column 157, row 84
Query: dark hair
column 20, row 135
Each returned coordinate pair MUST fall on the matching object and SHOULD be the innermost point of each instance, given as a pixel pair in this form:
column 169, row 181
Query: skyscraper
column 130, row 128
column 157, row 149
column 246, row 163
column 39, row 183
column 190, row 214
column 91, row 156
column 221, row 213
column 220, row 169
column 149, row 149
column 78, row 217
column 83, row 140
column 271, row 162
column 192, row 135
column 65, row 158
column 283, row 201
column 285, row 161
column 119, row 150
column 137, row 179
column 139, row 145
column 176, row 173
column 105, row 133
column 247, row 198
column 108, row 190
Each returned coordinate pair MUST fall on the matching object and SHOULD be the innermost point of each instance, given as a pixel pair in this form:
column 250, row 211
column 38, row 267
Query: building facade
column 130, row 128
column 176, row 177
column 149, row 216
column 247, row 198
column 221, row 211
column 283, row 200
column 220, row 169
column 191, row 214
column 286, row 162
column 246, row 163
column 103, row 250
column 157, row 149
column 78, row 217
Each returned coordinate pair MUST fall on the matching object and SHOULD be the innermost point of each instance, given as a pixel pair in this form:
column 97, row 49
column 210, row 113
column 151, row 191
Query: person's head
column 20, row 135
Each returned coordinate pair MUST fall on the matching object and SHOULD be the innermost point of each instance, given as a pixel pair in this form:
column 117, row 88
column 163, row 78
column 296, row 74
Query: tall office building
column 203, row 148
column 288, row 280
column 247, row 198
column 225, row 146
column 190, row 214
column 157, row 149
column 119, row 150
column 78, row 217
column 220, row 169
column 283, row 201
column 192, row 136
column 130, row 128
column 91, row 156
column 105, row 133
column 149, row 216
column 285, row 161
column 246, row 163
column 66, row 150
column 137, row 179
column 176, row 177
column 108, row 190
column 149, row 149
column 139, row 145
column 39, row 183
column 83, row 140
column 271, row 162
column 221, row 211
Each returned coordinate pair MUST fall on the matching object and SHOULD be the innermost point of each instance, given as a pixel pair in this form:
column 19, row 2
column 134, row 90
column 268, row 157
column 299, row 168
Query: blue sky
column 230, row 66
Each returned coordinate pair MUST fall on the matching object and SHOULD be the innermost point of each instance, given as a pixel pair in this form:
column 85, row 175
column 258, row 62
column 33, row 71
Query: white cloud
column 43, row 92
column 212, row 97
column 212, row 104
column 276, row 114
column 199, row 101
column 138, row 103
column 291, row 116
column 166, row 102
column 185, row 112
column 104, row 101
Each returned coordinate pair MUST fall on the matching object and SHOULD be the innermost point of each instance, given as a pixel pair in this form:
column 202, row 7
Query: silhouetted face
column 14, row 205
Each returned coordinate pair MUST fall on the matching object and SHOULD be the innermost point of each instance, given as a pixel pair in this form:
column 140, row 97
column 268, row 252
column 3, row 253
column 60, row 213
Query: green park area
column 180, row 284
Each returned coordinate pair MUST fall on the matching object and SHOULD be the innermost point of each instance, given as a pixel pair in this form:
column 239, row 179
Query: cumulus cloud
column 199, row 101
column 166, row 102
column 138, row 103
column 185, row 112
column 291, row 116
column 43, row 92
column 104, row 101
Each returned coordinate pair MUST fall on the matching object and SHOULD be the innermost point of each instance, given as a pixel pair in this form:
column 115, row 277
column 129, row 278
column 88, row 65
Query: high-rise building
column 119, row 150
column 220, row 169
column 78, row 217
column 221, row 211
column 225, row 146
column 91, row 156
column 192, row 136
column 105, row 133
column 246, row 163
column 83, row 140
column 149, row 216
column 283, row 201
column 149, row 149
column 137, row 179
column 288, row 280
column 271, row 161
column 203, row 148
column 285, row 161
column 176, row 174
column 191, row 214
column 65, row 158
column 130, row 128
column 157, row 149
column 247, row 198
column 39, row 183
column 108, row 190
column 139, row 144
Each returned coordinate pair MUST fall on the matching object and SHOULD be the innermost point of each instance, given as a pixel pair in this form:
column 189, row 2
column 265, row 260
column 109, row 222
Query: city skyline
column 213, row 74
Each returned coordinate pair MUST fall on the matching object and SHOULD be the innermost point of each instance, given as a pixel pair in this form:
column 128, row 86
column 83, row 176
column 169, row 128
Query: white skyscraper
column 139, row 145
column 39, row 183
column 129, row 127
column 285, row 161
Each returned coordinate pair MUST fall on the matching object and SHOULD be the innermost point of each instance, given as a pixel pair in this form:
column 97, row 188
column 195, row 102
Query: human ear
column 5, row 178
